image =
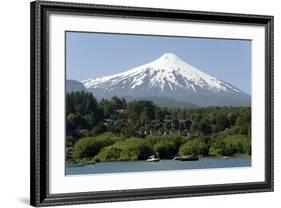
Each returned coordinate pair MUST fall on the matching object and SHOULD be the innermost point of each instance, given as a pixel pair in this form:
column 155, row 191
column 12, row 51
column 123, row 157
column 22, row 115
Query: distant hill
column 73, row 85
column 165, row 102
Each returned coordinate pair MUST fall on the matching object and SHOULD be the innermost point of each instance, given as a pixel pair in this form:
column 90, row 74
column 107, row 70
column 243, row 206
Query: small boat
column 189, row 158
column 154, row 158
column 225, row 157
column 177, row 158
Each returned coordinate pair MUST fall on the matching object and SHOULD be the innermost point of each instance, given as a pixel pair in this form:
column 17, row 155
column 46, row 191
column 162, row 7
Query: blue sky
column 89, row 55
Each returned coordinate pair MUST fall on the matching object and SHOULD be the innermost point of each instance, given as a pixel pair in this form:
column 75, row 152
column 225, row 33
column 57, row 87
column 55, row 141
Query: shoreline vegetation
column 117, row 130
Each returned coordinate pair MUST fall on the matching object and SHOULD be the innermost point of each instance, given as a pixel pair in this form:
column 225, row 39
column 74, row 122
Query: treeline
column 222, row 130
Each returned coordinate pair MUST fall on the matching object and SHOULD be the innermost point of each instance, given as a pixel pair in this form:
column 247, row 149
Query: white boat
column 225, row 157
column 154, row 158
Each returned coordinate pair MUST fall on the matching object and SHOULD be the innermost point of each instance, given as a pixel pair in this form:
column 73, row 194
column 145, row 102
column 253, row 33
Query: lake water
column 139, row 166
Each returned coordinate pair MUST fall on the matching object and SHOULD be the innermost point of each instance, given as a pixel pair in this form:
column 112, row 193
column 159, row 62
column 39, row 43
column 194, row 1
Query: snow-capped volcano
column 167, row 76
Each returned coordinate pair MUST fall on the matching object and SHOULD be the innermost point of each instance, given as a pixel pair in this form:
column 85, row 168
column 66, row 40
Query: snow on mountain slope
column 167, row 76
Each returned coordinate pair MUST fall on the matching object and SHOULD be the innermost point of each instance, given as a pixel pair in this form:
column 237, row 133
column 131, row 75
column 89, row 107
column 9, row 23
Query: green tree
column 205, row 127
column 244, row 122
column 107, row 107
column 88, row 147
column 99, row 129
column 138, row 113
column 80, row 102
column 222, row 122
column 231, row 118
column 75, row 122
column 118, row 103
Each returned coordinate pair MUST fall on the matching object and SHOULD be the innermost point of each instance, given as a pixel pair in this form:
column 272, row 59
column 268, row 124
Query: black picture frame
column 39, row 188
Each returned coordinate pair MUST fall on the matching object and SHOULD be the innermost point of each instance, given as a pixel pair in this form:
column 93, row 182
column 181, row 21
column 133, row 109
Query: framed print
column 131, row 103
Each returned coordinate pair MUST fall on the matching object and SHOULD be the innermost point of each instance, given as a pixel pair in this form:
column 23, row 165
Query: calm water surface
column 138, row 166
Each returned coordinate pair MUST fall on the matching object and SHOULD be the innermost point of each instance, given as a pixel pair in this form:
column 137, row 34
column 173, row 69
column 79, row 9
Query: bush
column 109, row 153
column 205, row 127
column 215, row 151
column 231, row 145
column 129, row 149
column 237, row 144
column 194, row 147
column 88, row 147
